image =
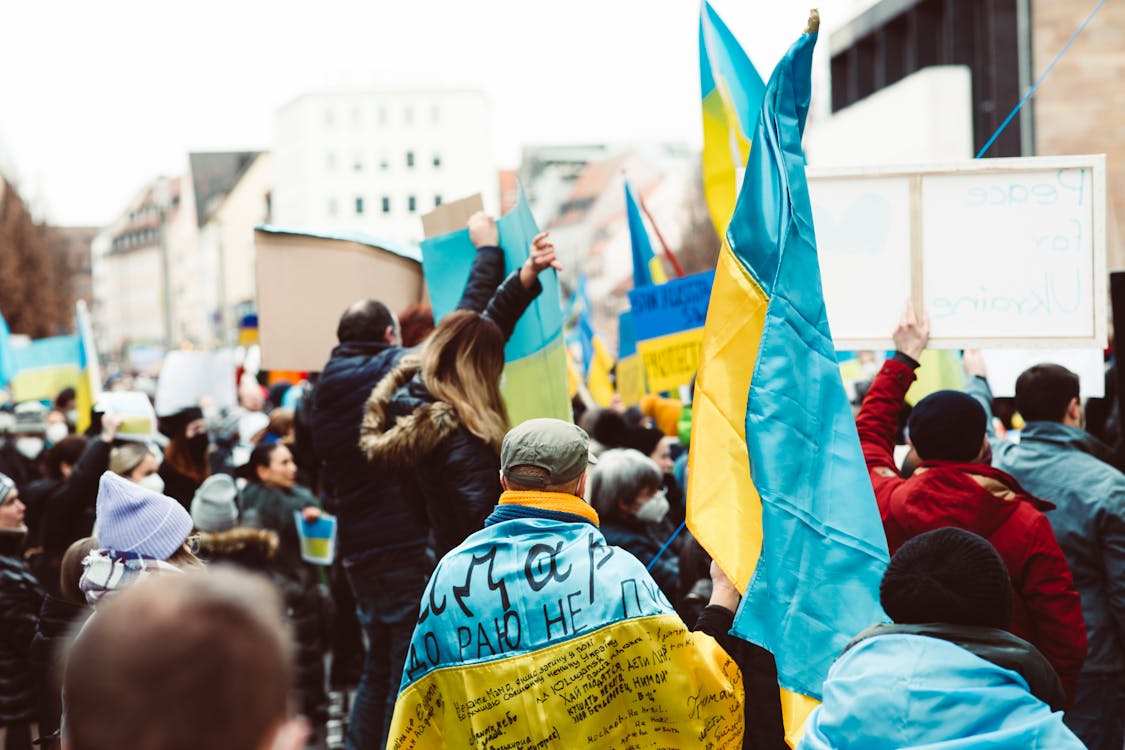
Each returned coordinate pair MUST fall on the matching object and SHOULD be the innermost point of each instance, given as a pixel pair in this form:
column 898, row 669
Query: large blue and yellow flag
column 44, row 367
column 7, row 359
column 732, row 94
column 647, row 268
column 631, row 384
column 779, row 493
column 535, row 374
column 535, row 633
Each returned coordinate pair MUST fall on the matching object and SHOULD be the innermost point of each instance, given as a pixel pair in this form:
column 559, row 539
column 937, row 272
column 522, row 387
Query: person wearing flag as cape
column 536, row 633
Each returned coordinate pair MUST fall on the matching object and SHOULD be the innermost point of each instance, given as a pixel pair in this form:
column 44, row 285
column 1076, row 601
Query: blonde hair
column 461, row 365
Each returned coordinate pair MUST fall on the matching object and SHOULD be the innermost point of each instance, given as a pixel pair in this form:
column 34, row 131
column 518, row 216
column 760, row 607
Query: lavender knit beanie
column 133, row 519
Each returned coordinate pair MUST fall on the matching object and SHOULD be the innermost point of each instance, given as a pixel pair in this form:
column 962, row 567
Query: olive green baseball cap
column 560, row 448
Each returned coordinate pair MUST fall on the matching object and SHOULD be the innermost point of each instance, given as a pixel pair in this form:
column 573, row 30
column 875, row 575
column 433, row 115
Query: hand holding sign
column 541, row 258
column 912, row 333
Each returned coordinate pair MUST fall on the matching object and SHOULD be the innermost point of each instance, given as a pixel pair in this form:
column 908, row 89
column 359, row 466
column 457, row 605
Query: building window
column 382, row 115
column 437, row 160
column 408, row 115
column 330, row 161
column 328, row 118
column 357, row 165
column 411, row 204
column 359, row 205
column 410, row 159
column 435, row 114
column 437, row 201
column 332, row 207
column 384, row 162
column 357, row 117
column 386, row 204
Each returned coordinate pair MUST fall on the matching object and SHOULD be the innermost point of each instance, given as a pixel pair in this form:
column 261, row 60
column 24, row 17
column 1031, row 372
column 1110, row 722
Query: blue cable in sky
column 1035, row 85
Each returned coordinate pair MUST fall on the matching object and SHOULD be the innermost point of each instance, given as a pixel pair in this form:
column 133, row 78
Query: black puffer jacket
column 20, row 601
column 70, row 511
column 372, row 507
column 439, row 465
column 58, row 620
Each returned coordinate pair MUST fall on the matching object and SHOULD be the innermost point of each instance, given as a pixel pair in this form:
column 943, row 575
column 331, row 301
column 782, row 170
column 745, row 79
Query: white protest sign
column 1005, row 366
column 188, row 376
column 138, row 419
column 1000, row 252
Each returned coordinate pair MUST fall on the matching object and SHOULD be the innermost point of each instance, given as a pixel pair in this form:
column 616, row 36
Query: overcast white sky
column 98, row 97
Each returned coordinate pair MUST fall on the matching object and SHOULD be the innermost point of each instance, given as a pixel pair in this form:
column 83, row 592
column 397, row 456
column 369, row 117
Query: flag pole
column 663, row 244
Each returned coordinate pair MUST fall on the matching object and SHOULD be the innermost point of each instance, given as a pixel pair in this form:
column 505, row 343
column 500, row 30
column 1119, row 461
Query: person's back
column 1056, row 459
column 183, row 663
column 955, row 486
column 536, row 633
column 945, row 675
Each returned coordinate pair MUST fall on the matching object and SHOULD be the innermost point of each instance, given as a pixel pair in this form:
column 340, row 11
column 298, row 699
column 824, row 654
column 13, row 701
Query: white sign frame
column 1097, row 334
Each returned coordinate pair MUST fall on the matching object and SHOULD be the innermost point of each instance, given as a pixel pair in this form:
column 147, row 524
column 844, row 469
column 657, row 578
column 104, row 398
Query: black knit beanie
column 949, row 576
column 948, row 426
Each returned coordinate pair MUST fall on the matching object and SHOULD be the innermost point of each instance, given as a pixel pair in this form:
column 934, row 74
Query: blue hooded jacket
column 911, row 691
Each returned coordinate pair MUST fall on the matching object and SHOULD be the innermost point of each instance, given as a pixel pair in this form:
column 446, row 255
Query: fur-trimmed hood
column 402, row 423
column 238, row 543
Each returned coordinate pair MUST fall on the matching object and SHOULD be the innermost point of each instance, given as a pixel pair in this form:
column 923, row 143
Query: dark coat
column 20, row 601
column 437, row 464
column 373, row 509
column 71, row 509
column 254, row 550
column 1046, row 610
column 272, row 508
column 643, row 541
column 57, row 622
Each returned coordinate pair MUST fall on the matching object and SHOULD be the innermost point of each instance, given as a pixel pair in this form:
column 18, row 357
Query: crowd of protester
column 1006, row 589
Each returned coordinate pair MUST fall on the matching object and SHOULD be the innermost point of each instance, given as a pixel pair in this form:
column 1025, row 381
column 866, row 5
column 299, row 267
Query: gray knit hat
column 213, row 508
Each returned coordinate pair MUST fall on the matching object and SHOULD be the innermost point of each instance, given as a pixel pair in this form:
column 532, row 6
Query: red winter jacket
column 1046, row 609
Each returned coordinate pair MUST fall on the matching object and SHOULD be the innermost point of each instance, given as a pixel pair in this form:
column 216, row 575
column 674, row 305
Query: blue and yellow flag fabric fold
column 732, row 92
column 44, row 367
column 7, row 359
column 647, row 268
column 536, row 633
column 89, row 376
column 535, row 372
column 631, row 384
column 779, row 492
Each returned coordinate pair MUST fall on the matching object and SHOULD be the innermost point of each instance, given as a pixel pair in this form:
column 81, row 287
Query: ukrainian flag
column 535, row 380
column 44, row 367
column 630, row 369
column 647, row 269
column 7, row 359
column 779, row 493
column 89, row 376
column 732, row 95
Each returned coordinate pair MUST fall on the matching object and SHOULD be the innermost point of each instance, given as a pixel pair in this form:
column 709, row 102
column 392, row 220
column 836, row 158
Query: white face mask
column 654, row 510
column 30, row 447
column 56, row 432
column 154, row 483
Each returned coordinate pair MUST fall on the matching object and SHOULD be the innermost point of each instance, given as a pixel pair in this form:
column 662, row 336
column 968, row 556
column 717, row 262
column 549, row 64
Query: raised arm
column 522, row 287
column 488, row 265
column 877, row 420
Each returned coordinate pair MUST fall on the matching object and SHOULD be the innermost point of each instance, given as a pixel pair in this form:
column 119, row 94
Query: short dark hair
column 191, row 661
column 365, row 321
column 1044, row 391
column 66, row 451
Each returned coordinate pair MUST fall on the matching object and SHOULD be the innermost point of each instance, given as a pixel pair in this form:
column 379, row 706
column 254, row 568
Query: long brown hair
column 461, row 365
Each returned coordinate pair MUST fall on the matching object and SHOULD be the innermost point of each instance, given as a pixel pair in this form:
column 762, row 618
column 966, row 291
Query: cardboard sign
column 306, row 282
column 449, row 217
column 1000, row 252
column 668, row 320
